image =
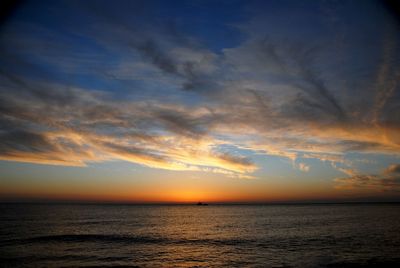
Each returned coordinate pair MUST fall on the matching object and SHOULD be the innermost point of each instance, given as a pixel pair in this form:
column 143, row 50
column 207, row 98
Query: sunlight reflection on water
column 193, row 236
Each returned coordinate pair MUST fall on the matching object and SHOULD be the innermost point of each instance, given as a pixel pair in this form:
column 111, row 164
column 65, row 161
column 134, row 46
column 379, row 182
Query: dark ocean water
column 199, row 236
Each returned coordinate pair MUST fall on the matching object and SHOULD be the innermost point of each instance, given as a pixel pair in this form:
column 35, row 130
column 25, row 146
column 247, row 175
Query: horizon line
column 119, row 202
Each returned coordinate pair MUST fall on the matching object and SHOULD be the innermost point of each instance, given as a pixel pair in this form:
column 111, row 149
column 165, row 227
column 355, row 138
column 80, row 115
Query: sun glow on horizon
column 170, row 101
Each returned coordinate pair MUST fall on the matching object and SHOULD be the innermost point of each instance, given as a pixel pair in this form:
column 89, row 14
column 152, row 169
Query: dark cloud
column 393, row 169
column 239, row 160
column 150, row 50
column 132, row 151
column 296, row 63
column 370, row 182
column 16, row 141
column 188, row 70
column 183, row 124
column 388, row 181
column 153, row 41
column 277, row 96
column 360, row 146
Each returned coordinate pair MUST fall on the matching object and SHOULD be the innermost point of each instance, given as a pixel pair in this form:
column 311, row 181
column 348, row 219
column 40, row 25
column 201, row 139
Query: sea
column 126, row 235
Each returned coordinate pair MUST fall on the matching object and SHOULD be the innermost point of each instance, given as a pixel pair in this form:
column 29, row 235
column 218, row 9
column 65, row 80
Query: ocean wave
column 96, row 238
column 128, row 239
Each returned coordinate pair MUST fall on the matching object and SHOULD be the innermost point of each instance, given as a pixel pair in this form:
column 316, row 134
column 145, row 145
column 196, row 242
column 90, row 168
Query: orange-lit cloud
column 176, row 137
column 188, row 108
column 388, row 181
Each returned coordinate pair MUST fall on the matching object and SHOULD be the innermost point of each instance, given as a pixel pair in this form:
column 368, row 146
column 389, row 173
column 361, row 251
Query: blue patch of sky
column 65, row 40
column 211, row 22
column 372, row 163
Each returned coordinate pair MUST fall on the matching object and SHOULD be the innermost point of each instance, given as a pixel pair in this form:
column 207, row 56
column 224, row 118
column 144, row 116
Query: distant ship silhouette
column 202, row 204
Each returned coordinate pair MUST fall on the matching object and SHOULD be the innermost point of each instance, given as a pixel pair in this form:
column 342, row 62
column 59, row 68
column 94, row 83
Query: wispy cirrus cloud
column 393, row 169
column 154, row 95
column 388, row 181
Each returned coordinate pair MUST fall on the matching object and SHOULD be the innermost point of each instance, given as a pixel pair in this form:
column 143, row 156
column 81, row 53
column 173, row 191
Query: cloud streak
column 183, row 103
column 388, row 181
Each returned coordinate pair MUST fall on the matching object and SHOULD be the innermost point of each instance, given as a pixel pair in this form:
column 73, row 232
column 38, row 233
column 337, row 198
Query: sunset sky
column 186, row 101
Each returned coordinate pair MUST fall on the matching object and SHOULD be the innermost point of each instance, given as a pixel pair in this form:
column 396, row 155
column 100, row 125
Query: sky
column 185, row 101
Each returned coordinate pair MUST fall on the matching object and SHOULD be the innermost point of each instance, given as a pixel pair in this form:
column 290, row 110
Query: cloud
column 150, row 50
column 239, row 163
column 23, row 141
column 304, row 167
column 88, row 127
column 393, row 169
column 156, row 96
column 388, row 181
column 369, row 182
column 387, row 76
column 345, row 170
column 183, row 124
